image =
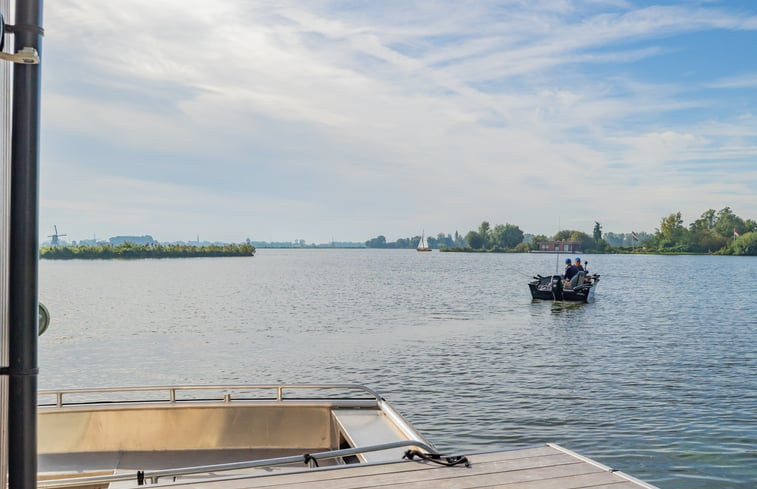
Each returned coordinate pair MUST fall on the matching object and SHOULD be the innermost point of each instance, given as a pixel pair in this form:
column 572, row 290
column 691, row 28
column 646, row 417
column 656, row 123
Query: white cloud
column 747, row 80
column 463, row 104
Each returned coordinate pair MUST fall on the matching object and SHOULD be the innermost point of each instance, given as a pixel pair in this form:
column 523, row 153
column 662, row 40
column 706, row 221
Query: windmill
column 55, row 236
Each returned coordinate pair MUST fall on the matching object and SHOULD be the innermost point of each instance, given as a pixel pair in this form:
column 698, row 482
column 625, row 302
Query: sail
column 423, row 243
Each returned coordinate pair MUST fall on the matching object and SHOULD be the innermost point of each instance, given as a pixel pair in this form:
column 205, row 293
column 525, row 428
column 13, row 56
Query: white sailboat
column 423, row 243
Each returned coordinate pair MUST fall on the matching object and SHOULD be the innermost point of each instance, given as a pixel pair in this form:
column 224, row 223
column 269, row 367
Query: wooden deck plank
column 556, row 464
column 575, row 481
column 516, row 453
column 539, row 468
column 369, row 469
column 442, row 479
column 624, row 484
column 424, row 471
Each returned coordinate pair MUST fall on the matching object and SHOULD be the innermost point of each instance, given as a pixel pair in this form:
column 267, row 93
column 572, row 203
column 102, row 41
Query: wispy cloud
column 367, row 112
column 747, row 80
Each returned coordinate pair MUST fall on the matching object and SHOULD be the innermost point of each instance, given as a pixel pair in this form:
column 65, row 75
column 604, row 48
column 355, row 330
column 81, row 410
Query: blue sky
column 282, row 120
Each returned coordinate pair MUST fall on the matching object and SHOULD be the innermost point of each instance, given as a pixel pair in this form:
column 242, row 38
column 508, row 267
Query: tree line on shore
column 129, row 250
column 441, row 240
column 717, row 232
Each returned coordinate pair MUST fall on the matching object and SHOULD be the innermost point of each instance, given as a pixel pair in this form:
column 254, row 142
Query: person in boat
column 570, row 271
column 579, row 277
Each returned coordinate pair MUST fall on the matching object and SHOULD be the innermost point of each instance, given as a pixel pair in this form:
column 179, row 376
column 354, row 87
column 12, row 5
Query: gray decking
column 547, row 467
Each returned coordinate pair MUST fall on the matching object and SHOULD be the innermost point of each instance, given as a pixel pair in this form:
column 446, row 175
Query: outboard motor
column 556, row 284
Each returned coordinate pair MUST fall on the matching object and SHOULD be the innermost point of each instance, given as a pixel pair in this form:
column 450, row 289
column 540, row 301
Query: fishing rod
column 519, row 272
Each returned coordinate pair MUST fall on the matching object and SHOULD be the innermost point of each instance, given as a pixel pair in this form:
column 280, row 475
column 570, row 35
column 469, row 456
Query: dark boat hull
column 551, row 288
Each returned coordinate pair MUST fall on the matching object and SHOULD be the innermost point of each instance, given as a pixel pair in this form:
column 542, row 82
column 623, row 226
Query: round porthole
column 44, row 319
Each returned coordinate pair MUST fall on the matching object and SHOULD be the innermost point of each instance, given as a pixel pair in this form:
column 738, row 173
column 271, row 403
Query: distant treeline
column 440, row 241
column 719, row 232
column 716, row 232
column 130, row 250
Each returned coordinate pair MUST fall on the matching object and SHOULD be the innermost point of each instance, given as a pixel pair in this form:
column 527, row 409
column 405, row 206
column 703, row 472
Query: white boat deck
column 240, row 442
column 546, row 467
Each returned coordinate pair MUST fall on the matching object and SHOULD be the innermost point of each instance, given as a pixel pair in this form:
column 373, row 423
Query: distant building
column 140, row 240
column 559, row 247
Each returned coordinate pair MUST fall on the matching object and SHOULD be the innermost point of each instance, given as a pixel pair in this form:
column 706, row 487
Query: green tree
column 484, row 232
column 585, row 241
column 597, row 231
column 404, row 243
column 507, row 236
column 562, row 235
column 727, row 221
column 706, row 222
column 705, row 240
column 474, row 240
column 746, row 244
column 672, row 232
column 522, row 248
column 534, row 245
column 377, row 242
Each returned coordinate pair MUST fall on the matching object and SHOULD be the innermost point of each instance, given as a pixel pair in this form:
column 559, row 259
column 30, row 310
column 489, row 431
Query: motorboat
column 554, row 288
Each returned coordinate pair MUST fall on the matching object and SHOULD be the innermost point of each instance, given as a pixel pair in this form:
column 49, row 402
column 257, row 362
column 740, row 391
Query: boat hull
column 551, row 288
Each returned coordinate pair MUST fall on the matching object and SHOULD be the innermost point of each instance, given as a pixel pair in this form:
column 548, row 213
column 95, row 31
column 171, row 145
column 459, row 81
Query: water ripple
column 658, row 377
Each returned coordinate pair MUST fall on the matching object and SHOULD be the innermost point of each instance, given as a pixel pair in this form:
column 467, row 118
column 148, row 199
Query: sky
column 344, row 120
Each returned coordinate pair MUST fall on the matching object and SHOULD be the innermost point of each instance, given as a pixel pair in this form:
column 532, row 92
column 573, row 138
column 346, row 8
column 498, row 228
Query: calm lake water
column 657, row 378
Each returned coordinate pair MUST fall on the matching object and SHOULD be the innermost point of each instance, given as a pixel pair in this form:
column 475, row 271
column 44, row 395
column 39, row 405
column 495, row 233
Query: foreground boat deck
column 546, row 467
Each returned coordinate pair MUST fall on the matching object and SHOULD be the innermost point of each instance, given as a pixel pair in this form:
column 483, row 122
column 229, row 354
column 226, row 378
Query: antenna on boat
column 557, row 255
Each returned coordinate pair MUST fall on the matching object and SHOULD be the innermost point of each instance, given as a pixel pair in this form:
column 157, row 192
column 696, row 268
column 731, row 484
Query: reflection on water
column 657, row 377
column 558, row 307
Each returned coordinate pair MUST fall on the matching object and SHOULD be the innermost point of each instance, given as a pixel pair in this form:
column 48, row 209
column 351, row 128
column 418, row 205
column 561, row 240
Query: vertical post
column 5, row 171
column 24, row 244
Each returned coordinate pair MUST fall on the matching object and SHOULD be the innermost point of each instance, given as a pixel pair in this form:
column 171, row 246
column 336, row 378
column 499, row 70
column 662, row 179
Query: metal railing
column 171, row 393
column 154, row 475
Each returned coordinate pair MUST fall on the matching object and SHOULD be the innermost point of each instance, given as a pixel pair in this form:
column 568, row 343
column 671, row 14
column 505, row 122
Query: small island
column 129, row 250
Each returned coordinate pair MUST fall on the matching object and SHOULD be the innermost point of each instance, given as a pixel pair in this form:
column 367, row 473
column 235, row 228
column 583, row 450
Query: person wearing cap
column 578, row 279
column 570, row 270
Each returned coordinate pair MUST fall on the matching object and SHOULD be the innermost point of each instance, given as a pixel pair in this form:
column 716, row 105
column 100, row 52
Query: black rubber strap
column 309, row 458
column 436, row 458
column 11, row 28
column 18, row 371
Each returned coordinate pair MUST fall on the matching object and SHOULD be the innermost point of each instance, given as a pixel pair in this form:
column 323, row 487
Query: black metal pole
column 24, row 244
